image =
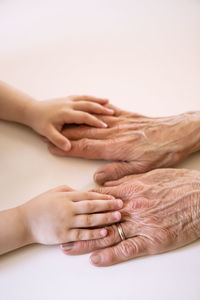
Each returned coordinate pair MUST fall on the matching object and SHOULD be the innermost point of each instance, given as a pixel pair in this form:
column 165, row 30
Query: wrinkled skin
column 161, row 212
column 136, row 143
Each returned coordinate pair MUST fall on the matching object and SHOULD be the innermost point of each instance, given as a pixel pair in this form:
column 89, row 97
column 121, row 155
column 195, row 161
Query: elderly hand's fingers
column 56, row 151
column 92, row 107
column 86, row 148
column 114, row 171
column 88, row 206
column 58, row 139
column 80, row 132
column 128, row 249
column 90, row 98
column 80, row 117
column 121, row 180
column 93, row 220
column 112, row 238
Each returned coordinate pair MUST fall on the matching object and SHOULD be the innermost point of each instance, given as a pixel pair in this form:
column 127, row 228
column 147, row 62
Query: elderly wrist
column 25, row 224
column 193, row 137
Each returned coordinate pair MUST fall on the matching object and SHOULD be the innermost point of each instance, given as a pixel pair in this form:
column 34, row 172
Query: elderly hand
column 138, row 143
column 161, row 212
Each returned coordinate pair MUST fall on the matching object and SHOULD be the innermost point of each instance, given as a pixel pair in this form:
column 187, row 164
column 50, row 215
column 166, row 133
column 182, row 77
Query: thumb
column 59, row 140
column 116, row 170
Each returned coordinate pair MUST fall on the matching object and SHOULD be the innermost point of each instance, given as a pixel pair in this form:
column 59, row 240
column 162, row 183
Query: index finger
column 90, row 98
column 85, row 148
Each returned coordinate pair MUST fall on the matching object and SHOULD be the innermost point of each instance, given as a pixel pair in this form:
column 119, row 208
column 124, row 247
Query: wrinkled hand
column 161, row 212
column 138, row 143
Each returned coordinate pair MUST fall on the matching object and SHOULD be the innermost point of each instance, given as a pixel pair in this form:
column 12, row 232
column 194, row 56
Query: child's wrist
column 24, row 219
column 30, row 113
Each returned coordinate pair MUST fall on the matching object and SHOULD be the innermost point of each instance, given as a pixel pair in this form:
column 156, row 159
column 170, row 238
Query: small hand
column 49, row 117
column 62, row 214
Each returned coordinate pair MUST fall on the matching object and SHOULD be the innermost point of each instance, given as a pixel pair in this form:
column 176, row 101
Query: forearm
column 194, row 137
column 13, row 230
column 15, row 105
column 186, row 133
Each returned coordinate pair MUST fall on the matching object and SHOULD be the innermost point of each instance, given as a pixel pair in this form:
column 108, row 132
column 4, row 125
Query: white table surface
column 144, row 56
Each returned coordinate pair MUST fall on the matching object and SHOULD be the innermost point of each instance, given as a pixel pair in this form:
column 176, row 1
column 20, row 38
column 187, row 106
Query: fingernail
column 117, row 215
column 104, row 124
column 120, row 203
column 67, row 246
column 103, row 232
column 111, row 111
column 66, row 147
column 96, row 259
column 111, row 197
column 99, row 177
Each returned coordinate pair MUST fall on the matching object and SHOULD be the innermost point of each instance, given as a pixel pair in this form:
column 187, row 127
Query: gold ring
column 121, row 232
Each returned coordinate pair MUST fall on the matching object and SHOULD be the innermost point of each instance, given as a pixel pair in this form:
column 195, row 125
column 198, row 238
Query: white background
column 145, row 57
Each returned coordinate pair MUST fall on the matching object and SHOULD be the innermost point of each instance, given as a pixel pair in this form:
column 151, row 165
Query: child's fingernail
column 111, row 111
column 111, row 197
column 67, row 246
column 66, row 147
column 117, row 215
column 103, row 232
column 120, row 203
column 104, row 124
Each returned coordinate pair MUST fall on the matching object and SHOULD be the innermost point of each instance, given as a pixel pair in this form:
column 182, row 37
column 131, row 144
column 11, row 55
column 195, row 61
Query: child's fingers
column 86, row 234
column 59, row 140
column 92, row 220
column 85, row 118
column 44, row 139
column 92, row 108
column 81, row 196
column 88, row 206
column 90, row 98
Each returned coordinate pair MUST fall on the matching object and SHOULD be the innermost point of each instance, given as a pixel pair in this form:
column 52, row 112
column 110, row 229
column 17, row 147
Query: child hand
column 62, row 214
column 48, row 117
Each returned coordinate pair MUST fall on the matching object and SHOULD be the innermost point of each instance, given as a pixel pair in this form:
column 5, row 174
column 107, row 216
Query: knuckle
column 163, row 238
column 73, row 97
column 107, row 218
column 126, row 250
column 77, row 235
column 111, row 236
column 111, row 204
column 88, row 220
column 89, row 205
column 63, row 187
column 85, row 116
column 91, row 234
column 84, row 144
